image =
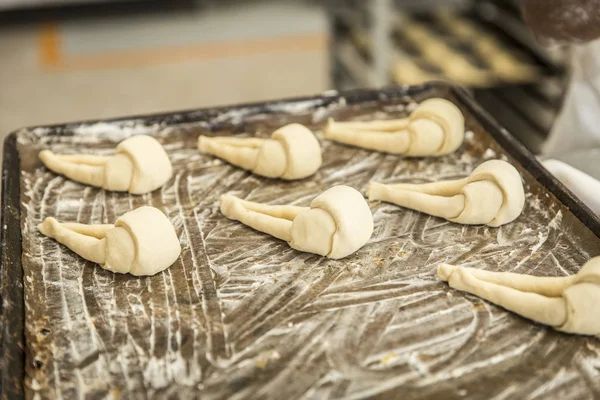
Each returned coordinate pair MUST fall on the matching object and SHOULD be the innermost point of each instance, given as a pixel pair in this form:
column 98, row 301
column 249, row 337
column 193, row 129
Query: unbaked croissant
column 434, row 128
column 140, row 165
column 567, row 304
column 141, row 242
column 492, row 195
column 337, row 223
column 292, row 152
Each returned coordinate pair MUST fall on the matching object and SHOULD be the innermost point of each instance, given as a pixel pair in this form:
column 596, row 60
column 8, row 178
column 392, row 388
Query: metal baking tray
column 242, row 315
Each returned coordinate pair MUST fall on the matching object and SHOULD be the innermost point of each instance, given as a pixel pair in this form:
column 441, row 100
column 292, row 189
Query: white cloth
column 578, row 125
column 581, row 184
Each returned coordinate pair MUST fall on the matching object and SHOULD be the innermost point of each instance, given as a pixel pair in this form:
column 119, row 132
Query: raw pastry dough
column 434, row 128
column 567, row 304
column 493, row 195
column 139, row 166
column 293, row 152
column 141, row 242
column 337, row 223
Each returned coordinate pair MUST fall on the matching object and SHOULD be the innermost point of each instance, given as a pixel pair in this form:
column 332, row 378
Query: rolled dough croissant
column 434, row 128
column 292, row 152
column 337, row 223
column 493, row 195
column 568, row 304
column 141, row 242
column 140, row 165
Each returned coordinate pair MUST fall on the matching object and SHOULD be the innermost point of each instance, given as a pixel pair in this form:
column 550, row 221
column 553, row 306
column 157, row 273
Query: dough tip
column 444, row 271
column 328, row 126
column 368, row 191
column 46, row 227
column 202, row 143
column 227, row 204
column 45, row 155
column 373, row 190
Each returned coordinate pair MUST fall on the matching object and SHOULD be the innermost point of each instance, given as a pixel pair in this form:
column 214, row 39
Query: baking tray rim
column 12, row 335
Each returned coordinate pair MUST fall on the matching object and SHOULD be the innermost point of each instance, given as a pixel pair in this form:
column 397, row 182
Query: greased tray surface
column 242, row 315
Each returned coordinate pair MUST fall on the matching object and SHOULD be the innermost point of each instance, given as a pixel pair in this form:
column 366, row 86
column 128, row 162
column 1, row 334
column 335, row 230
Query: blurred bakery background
column 482, row 45
column 65, row 60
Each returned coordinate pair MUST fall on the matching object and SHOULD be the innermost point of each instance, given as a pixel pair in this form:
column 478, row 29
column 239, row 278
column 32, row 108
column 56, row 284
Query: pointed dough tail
column 241, row 152
column 438, row 206
column 88, row 247
column 89, row 174
column 445, row 271
column 47, row 227
column 257, row 216
column 546, row 310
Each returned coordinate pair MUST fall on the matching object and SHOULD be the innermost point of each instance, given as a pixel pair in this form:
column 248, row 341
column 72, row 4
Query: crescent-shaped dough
column 140, row 165
column 337, row 223
column 567, row 304
column 436, row 127
column 292, row 152
column 492, row 195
